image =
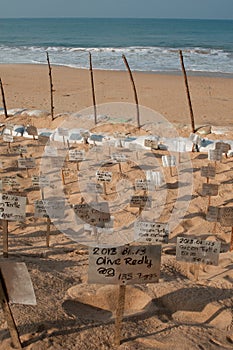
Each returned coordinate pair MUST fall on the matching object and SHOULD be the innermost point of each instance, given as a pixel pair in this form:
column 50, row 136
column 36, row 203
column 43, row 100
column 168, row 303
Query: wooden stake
column 3, row 99
column 5, row 238
column 170, row 168
column 134, row 89
column 104, row 188
column 187, row 91
column 120, row 170
column 51, row 86
column 231, row 243
column 63, row 177
column 196, row 271
column 8, row 316
column 48, row 232
column 119, row 314
column 93, row 88
column 42, row 193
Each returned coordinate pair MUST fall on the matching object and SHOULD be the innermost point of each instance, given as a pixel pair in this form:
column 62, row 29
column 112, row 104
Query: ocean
column 150, row 45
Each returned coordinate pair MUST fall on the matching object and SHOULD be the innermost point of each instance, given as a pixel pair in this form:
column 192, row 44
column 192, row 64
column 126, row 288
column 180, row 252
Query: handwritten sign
column 8, row 138
column 40, row 181
column 124, row 265
column 26, row 163
column 93, row 187
column 69, row 172
column 63, row 132
column 56, row 162
column 19, row 149
column 209, row 189
column 104, row 176
column 141, row 184
column 197, row 251
column 10, row 181
column 213, row 214
column 96, row 214
column 223, row 147
column 140, row 201
column 53, row 209
column 153, row 232
column 12, row 208
column 118, row 157
column 226, row 216
column 153, row 144
column 208, row 171
column 215, row 155
column 50, row 151
column 31, row 130
column 169, row 161
column 195, row 139
column 76, row 155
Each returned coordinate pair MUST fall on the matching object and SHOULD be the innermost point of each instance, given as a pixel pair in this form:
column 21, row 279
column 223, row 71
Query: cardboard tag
column 197, row 251
column 223, row 147
column 54, row 209
column 153, row 144
column 124, row 265
column 118, row 157
column 40, row 181
column 141, row 184
column 63, row 132
column 19, row 149
column 42, row 139
column 213, row 214
column 215, row 155
column 31, row 130
column 153, row 232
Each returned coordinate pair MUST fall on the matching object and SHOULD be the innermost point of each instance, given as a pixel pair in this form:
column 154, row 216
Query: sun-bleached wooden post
column 51, row 87
column 134, row 89
column 3, row 99
column 93, row 88
column 187, row 92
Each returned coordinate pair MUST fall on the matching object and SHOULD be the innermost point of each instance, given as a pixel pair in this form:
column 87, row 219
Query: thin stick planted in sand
column 93, row 88
column 3, row 99
column 134, row 89
column 119, row 314
column 51, row 86
column 8, row 316
column 48, row 232
column 5, row 238
column 187, row 91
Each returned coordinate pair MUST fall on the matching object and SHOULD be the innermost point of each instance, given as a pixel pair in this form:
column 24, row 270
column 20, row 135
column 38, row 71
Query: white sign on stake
column 10, row 181
column 226, row 216
column 93, row 187
column 118, row 157
column 50, row 151
column 124, row 265
column 42, row 139
column 169, row 161
column 26, row 163
column 63, row 132
column 154, row 177
column 76, row 155
column 141, row 184
column 104, row 176
column 215, row 155
column 8, row 138
column 153, row 232
column 209, row 189
column 95, row 214
column 40, row 181
column 19, row 149
column 12, row 208
column 213, row 214
column 141, row 201
column 208, row 171
column 31, row 130
column 54, row 209
column 197, row 251
column 153, row 144
column 223, row 147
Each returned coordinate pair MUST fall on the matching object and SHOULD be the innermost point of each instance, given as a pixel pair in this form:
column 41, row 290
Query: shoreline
column 27, row 86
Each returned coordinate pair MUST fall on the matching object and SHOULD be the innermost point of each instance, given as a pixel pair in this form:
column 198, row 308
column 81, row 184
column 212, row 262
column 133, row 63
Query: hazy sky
column 118, row 8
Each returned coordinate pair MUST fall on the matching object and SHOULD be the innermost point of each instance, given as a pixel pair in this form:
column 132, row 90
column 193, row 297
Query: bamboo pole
column 93, row 88
column 51, row 87
column 187, row 92
column 3, row 99
column 134, row 89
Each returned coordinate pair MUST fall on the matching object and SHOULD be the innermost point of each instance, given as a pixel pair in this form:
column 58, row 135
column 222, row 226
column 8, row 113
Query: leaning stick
column 3, row 99
column 93, row 88
column 188, row 93
column 134, row 89
column 51, row 87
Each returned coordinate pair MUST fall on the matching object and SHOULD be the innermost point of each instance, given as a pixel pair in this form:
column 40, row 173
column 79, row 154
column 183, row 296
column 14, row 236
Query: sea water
column 149, row 44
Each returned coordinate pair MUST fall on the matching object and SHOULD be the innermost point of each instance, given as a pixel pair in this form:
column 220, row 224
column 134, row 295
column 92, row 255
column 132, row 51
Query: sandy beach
column 181, row 311
column 27, row 86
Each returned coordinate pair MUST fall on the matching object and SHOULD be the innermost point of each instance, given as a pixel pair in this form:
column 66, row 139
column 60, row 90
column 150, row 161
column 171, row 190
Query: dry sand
column 178, row 312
